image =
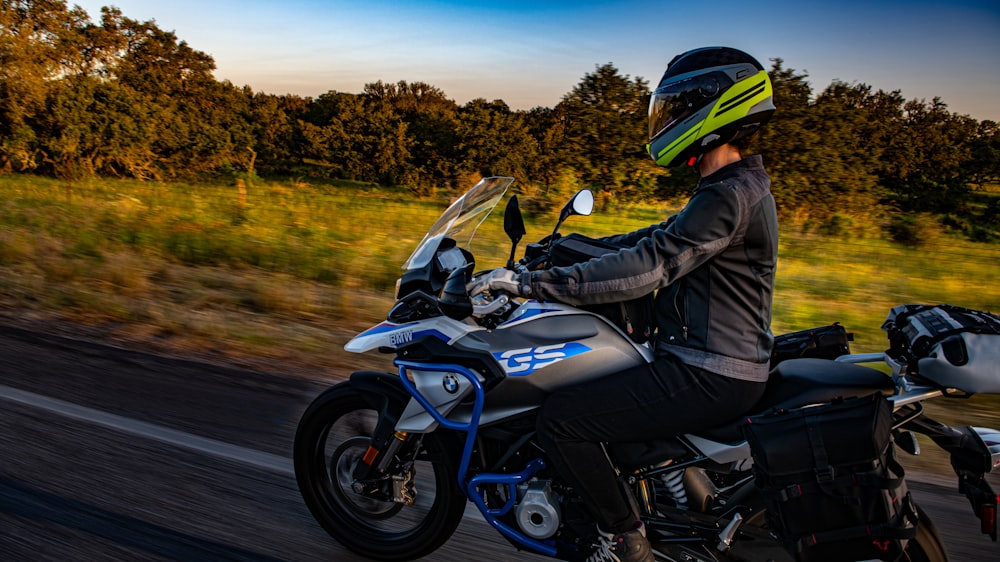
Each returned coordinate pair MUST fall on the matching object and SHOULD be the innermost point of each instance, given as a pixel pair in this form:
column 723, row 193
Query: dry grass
column 244, row 317
column 286, row 275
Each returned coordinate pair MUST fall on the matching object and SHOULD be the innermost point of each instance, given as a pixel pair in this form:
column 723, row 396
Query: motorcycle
column 387, row 461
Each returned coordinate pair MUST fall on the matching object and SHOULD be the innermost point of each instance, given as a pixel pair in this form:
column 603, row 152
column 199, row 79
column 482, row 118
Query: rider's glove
column 500, row 279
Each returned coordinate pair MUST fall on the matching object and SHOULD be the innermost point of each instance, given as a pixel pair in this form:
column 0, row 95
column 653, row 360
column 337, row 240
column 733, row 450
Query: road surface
column 113, row 454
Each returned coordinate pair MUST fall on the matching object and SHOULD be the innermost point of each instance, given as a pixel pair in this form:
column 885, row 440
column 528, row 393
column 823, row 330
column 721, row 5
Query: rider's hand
column 500, row 279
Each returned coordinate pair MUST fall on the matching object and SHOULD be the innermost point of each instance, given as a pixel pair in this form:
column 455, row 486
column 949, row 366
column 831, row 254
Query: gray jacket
column 713, row 264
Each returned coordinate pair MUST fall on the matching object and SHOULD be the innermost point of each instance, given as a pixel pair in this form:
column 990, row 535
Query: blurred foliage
column 123, row 98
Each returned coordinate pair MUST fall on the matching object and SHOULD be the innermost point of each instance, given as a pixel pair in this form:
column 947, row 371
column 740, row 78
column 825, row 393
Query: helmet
column 706, row 98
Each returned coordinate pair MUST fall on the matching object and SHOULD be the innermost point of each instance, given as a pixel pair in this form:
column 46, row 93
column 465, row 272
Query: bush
column 837, row 226
column 914, row 230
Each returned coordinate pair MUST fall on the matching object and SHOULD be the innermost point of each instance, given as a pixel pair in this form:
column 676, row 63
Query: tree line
column 123, row 98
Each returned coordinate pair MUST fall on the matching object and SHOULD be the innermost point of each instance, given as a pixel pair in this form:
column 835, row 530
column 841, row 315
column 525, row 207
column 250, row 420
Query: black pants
column 655, row 401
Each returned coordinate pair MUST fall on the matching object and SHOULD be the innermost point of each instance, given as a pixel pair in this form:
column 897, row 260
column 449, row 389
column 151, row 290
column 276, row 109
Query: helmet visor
column 675, row 101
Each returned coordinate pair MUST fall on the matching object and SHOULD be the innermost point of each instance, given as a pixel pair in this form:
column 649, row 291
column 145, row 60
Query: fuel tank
column 541, row 348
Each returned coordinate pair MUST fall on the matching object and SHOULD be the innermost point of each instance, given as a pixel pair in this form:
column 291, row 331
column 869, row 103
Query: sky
column 532, row 53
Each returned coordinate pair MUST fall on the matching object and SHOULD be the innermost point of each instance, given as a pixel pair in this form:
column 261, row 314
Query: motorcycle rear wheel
column 332, row 436
column 927, row 546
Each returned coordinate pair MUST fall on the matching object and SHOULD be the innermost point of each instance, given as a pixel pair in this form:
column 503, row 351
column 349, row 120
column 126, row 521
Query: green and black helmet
column 706, row 98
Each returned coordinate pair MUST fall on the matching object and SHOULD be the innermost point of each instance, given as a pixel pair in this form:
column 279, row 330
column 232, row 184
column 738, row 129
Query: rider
column 713, row 265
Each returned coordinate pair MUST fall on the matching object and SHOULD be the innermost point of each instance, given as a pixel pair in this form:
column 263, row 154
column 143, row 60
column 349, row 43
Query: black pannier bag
column 833, row 487
column 634, row 317
column 824, row 342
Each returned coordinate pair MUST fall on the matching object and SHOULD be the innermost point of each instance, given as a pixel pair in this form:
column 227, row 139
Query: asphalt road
column 111, row 454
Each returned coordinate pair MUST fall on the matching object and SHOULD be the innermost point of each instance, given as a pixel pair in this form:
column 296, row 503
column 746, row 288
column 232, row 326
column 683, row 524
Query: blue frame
column 471, row 488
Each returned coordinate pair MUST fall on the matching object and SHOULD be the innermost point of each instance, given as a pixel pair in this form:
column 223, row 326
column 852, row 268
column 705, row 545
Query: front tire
column 331, row 438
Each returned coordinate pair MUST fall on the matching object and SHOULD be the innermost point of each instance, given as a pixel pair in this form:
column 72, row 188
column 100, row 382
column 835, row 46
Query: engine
column 538, row 513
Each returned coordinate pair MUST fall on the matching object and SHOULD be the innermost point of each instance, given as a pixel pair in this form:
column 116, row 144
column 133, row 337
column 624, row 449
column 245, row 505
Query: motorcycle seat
column 798, row 382
column 792, row 383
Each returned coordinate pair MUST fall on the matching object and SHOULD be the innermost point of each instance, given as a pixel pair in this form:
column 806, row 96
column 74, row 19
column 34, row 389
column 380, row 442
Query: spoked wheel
column 331, row 440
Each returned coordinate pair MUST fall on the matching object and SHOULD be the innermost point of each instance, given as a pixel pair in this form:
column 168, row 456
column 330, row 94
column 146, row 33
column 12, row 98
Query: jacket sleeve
column 703, row 229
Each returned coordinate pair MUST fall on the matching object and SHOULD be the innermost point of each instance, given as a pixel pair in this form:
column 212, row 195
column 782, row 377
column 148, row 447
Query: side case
column 834, row 488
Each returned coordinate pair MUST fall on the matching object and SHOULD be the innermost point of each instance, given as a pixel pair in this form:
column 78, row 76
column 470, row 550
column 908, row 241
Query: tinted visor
column 677, row 100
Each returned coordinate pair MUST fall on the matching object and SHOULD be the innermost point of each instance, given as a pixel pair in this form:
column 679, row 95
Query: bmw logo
column 450, row 384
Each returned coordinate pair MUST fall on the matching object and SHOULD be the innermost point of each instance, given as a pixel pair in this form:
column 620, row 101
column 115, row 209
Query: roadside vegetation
column 183, row 261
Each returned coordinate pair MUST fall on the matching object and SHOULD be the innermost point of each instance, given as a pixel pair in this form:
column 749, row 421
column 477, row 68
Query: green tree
column 275, row 129
column 782, row 141
column 603, row 126
column 201, row 122
column 326, row 134
column 431, row 120
column 925, row 163
column 548, row 131
column 836, row 162
column 34, row 50
column 823, row 154
column 357, row 138
column 96, row 127
column 493, row 140
column 984, row 167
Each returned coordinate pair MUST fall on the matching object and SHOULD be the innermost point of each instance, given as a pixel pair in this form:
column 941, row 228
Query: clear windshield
column 460, row 221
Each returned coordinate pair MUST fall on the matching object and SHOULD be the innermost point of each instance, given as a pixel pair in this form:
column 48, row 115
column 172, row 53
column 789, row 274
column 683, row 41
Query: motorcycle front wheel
column 331, row 438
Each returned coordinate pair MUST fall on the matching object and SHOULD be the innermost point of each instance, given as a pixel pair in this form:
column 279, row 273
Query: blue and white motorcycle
column 387, row 461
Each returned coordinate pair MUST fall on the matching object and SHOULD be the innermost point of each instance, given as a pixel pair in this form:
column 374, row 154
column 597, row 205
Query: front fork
column 385, row 471
column 975, row 451
column 381, row 466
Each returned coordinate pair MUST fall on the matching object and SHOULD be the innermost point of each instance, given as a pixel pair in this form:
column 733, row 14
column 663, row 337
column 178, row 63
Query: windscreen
column 460, row 221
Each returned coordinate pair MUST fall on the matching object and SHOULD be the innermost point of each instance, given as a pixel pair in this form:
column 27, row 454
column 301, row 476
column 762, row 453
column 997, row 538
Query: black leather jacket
column 713, row 264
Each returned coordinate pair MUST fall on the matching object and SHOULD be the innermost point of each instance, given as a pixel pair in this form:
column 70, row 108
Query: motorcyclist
column 712, row 266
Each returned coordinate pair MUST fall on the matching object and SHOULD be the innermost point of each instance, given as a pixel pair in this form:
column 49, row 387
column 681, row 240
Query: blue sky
column 531, row 53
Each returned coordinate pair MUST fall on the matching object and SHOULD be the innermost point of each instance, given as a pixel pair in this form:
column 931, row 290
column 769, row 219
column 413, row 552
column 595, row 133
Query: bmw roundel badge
column 450, row 384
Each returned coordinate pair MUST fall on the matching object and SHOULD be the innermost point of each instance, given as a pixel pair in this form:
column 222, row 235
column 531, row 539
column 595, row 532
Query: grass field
column 128, row 251
column 279, row 275
column 70, row 246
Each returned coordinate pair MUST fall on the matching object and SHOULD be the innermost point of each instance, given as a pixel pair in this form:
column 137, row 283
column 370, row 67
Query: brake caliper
column 404, row 491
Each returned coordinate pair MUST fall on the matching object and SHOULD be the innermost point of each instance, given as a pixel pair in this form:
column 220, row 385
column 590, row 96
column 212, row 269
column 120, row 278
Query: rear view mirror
column 513, row 225
column 582, row 203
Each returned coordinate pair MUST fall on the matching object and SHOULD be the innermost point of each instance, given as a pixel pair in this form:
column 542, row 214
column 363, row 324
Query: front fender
column 383, row 391
column 387, row 395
